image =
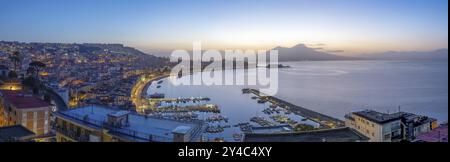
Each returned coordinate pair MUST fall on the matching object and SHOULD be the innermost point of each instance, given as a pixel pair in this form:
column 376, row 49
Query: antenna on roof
column 399, row 108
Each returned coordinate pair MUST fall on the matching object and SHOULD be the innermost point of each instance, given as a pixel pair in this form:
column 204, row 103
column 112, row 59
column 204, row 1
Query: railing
column 136, row 135
column 72, row 134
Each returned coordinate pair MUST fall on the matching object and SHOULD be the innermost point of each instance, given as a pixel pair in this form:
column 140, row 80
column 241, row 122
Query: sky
column 343, row 26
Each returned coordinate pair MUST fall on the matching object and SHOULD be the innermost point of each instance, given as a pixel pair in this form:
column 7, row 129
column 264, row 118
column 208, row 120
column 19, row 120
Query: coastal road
column 141, row 86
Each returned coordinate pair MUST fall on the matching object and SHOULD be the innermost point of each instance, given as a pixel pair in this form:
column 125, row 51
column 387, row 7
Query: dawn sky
column 352, row 26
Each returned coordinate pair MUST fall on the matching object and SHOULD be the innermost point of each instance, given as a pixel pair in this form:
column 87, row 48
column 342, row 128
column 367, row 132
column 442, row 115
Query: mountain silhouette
column 301, row 52
column 440, row 54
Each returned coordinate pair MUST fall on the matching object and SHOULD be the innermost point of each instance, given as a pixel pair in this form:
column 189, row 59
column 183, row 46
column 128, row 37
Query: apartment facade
column 376, row 126
column 21, row 108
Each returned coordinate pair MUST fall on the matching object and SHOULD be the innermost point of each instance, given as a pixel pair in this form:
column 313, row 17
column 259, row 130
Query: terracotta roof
column 22, row 100
column 439, row 134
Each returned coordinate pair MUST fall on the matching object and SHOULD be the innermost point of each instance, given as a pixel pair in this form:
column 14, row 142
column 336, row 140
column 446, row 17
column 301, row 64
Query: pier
column 324, row 120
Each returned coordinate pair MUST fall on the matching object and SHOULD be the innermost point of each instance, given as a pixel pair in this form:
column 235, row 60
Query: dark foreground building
column 16, row 133
column 328, row 135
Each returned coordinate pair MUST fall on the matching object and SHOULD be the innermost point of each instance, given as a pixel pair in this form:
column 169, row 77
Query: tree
column 12, row 74
column 35, row 67
column 16, row 59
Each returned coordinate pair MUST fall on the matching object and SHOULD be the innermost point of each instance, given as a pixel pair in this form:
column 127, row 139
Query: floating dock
column 324, row 120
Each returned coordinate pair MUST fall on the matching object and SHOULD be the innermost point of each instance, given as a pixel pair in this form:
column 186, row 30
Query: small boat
column 157, row 95
column 245, row 91
column 237, row 137
column 273, row 106
column 262, row 101
column 158, row 87
column 159, row 82
column 254, row 97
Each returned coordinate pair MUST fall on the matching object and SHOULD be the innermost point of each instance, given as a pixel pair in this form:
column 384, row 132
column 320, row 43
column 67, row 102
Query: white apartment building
column 379, row 127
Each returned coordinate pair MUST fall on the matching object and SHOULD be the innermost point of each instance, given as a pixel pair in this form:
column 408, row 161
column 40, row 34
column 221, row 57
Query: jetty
column 325, row 121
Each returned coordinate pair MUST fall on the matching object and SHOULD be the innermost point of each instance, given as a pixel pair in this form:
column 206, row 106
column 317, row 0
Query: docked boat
column 157, row 95
column 246, row 91
column 261, row 101
column 237, row 137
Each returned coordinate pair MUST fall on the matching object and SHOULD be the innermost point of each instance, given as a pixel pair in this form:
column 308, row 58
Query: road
column 141, row 85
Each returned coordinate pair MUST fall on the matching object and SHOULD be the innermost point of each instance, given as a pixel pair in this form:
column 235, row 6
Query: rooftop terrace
column 439, row 134
column 378, row 117
column 139, row 128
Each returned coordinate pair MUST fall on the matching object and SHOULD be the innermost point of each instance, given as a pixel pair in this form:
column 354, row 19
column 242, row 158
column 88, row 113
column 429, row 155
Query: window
column 395, row 133
column 373, row 134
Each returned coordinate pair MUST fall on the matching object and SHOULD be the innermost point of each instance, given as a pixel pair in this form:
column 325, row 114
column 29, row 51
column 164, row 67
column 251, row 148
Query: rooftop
column 139, row 128
column 378, row 117
column 22, row 100
column 327, row 135
column 416, row 120
column 119, row 113
column 440, row 134
column 181, row 129
column 14, row 133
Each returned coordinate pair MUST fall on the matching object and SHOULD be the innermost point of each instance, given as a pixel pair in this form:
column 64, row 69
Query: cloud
column 318, row 48
column 336, row 51
column 317, row 45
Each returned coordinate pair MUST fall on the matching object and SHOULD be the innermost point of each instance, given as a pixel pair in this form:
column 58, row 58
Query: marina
column 324, row 120
column 219, row 127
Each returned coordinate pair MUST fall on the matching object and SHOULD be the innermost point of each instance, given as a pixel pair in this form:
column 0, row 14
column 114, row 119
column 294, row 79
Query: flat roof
column 182, row 129
column 23, row 100
column 378, row 117
column 119, row 113
column 16, row 132
column 327, row 135
column 139, row 126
